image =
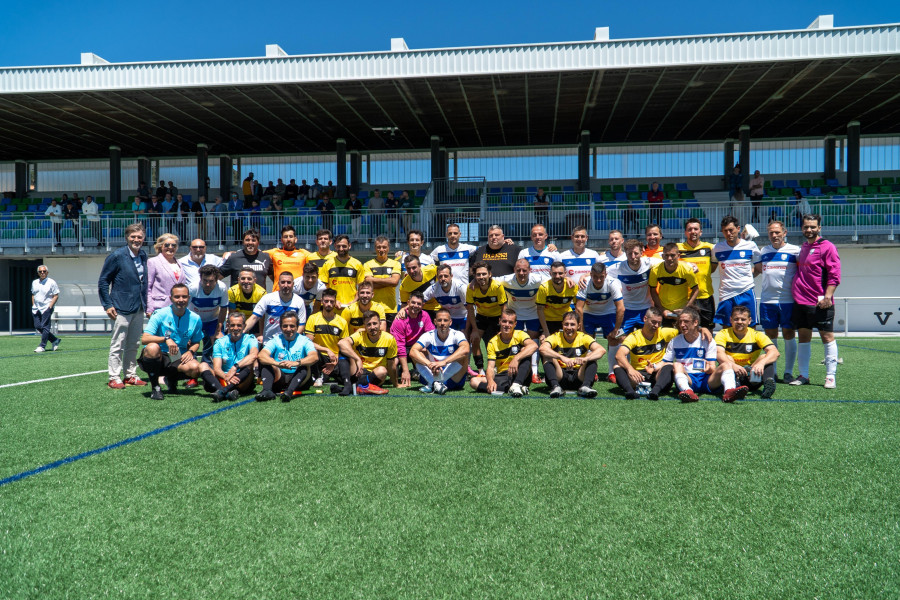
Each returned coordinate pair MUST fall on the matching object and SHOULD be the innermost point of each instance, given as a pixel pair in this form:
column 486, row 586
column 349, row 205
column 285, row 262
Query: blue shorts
column 455, row 385
column 700, row 383
column 723, row 313
column 458, row 324
column 606, row 323
column 634, row 319
column 528, row 325
column 209, row 328
column 773, row 316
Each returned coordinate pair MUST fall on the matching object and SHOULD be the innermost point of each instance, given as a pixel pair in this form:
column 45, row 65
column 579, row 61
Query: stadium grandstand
column 458, row 135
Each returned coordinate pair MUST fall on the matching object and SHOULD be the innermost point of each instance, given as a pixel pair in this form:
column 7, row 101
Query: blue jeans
column 42, row 326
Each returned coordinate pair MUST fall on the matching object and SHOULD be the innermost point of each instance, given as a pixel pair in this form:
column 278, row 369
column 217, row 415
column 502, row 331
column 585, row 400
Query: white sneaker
column 426, row 389
column 515, row 390
column 56, row 344
column 317, row 382
column 40, row 349
column 830, row 384
column 440, row 388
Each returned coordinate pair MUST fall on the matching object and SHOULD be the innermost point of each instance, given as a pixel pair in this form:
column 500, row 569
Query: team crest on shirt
column 577, row 351
column 272, row 320
column 658, row 346
column 382, row 351
column 281, row 356
column 784, row 257
column 742, row 253
column 514, row 350
column 703, row 252
column 421, row 324
column 749, row 347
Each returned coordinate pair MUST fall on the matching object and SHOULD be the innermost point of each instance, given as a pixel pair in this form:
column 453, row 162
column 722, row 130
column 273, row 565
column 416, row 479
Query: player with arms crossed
column 441, row 356
column 507, row 352
column 570, row 359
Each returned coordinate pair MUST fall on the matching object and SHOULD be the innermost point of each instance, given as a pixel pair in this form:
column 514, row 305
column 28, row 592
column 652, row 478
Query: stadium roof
column 782, row 84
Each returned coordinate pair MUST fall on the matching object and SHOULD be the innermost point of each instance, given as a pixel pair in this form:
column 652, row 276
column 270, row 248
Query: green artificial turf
column 409, row 495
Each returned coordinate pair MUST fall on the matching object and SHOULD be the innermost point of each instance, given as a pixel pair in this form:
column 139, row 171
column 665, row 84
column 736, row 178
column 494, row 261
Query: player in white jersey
column 441, row 356
column 271, row 306
column 694, row 359
column 539, row 255
column 735, row 257
column 616, row 251
column 579, row 259
column 414, row 239
column 450, row 293
column 778, row 266
column 521, row 290
column 209, row 299
column 310, row 288
column 454, row 254
column 599, row 305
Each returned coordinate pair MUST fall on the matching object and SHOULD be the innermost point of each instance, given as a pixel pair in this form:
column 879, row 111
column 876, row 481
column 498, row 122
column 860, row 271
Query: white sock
column 611, row 357
column 449, row 371
column 803, row 355
column 728, row 381
column 681, row 380
column 426, row 374
column 831, row 356
column 534, row 362
column 790, row 355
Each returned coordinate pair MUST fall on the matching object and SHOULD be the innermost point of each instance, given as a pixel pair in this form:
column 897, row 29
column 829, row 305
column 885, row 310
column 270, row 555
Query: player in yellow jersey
column 342, row 272
column 485, row 299
column 353, row 314
column 554, row 299
column 289, row 257
column 373, row 357
column 244, row 296
column 673, row 286
column 326, row 328
column 323, row 249
column 751, row 355
column 640, row 357
column 384, row 275
column 570, row 359
column 699, row 254
column 418, row 278
column 509, row 359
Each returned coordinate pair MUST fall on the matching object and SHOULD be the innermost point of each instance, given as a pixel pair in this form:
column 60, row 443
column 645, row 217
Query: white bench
column 80, row 316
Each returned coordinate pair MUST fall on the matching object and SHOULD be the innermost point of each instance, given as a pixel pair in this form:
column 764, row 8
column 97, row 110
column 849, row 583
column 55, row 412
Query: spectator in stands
column 143, row 192
column 255, row 215
column 71, row 215
column 173, row 191
column 44, row 294
column 201, row 212
column 55, row 213
column 330, row 189
column 237, row 220
column 405, row 205
column 376, row 212
column 257, row 191
column 655, row 199
column 802, row 207
column 630, row 219
column 292, row 190
column 167, row 203
column 123, row 293
column 218, row 209
column 736, row 194
column 275, row 209
column 326, row 209
column 92, row 214
column 354, row 207
column 392, row 216
column 163, row 271
column 541, row 208
column 154, row 212
column 280, row 187
column 315, row 190
column 757, row 189
column 268, row 192
column 76, row 201
column 182, row 211
column 247, row 190
column 138, row 206
column 161, row 189
column 304, row 190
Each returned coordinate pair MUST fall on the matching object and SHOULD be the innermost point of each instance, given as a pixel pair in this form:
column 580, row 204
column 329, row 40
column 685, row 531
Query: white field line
column 8, row 385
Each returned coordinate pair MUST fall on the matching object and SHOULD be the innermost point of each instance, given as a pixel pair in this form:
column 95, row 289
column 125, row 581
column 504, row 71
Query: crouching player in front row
column 570, row 359
column 750, row 353
column 694, row 362
column 509, row 360
column 233, row 357
column 639, row 357
column 286, row 361
column 373, row 357
column 441, row 355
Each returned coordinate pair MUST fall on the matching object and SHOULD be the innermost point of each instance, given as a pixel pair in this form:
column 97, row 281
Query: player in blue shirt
column 233, row 357
column 286, row 361
column 171, row 338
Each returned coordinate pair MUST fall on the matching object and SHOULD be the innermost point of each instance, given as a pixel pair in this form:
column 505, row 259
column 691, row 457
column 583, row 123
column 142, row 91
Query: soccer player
column 248, row 257
column 521, row 291
column 653, row 236
column 672, row 285
column 750, row 354
column 274, row 304
column 778, row 266
column 441, row 356
column 693, row 358
column 450, row 294
column 454, row 254
column 818, row 275
column 342, row 273
column 289, row 257
column 325, row 329
column 209, row 299
column 44, row 294
column 579, row 259
column 286, row 361
column 615, row 253
column 373, row 357
column 554, row 299
column 496, row 253
column 171, row 339
column 414, row 239
column 353, row 314
column 507, row 352
column 323, row 251
column 485, row 299
column 539, row 255
column 384, row 275
column 599, row 305
column 570, row 359
column 634, row 275
column 407, row 328
column 233, row 358
column 736, row 256
column 244, row 296
column 418, row 279
column 699, row 253
column 310, row 288
column 639, row 356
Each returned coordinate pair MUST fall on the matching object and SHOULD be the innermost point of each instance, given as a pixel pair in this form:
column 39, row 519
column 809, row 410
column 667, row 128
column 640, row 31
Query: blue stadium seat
column 681, row 187
column 815, row 191
column 692, row 203
column 803, row 191
column 631, row 187
column 866, row 209
column 621, row 196
column 839, row 199
column 671, row 224
column 531, row 189
column 506, row 199
column 597, row 197
column 568, row 188
column 643, row 195
column 682, row 213
column 507, row 190
column 494, row 190
column 705, row 224
column 778, row 183
column 895, row 219
column 832, row 182
column 792, row 183
column 363, row 194
column 421, row 193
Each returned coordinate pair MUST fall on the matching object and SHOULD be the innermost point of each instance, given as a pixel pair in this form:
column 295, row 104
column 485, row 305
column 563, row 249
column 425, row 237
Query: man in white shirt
column 191, row 263
column 735, row 257
column 454, row 254
column 91, row 211
column 450, row 293
column 615, row 253
column 539, row 255
column 209, row 299
column 273, row 305
column 579, row 259
column 441, row 356
column 44, row 294
column 54, row 211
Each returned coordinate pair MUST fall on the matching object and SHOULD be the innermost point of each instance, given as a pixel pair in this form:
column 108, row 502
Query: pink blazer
column 160, row 280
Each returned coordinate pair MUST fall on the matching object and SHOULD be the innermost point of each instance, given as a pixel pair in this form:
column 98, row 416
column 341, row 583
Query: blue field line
column 574, row 398
column 131, row 440
column 53, row 352
column 869, row 349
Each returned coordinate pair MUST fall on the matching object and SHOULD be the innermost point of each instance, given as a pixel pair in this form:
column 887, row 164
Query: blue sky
column 56, row 32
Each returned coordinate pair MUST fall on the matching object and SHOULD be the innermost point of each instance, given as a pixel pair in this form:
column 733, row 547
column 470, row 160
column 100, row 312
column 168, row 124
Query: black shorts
column 489, row 325
column 389, row 317
column 813, row 317
column 554, row 326
column 570, row 380
column 374, row 378
column 707, row 309
column 165, row 364
column 286, row 379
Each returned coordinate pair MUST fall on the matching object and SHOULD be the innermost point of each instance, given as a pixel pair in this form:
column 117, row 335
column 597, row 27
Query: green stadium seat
column 818, row 183
column 887, row 181
column 618, row 188
column 871, row 189
column 857, row 190
column 606, row 188
column 643, row 187
column 874, row 181
column 805, row 183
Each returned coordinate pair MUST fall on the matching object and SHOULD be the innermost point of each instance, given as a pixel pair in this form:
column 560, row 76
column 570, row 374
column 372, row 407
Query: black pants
column 57, row 233
column 768, row 373
column 42, row 326
column 660, row 380
column 570, row 379
column 297, row 381
column 504, row 381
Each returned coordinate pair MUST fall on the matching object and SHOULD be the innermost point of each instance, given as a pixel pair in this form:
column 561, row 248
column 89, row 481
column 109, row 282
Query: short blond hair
column 163, row 239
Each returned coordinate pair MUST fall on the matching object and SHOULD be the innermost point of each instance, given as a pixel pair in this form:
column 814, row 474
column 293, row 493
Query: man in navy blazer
column 126, row 271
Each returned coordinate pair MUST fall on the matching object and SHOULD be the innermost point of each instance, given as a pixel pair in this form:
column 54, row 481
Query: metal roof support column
column 444, row 162
column 584, row 161
column 853, row 153
column 355, row 171
column 115, row 175
column 745, row 156
column 225, row 181
column 729, row 162
column 341, row 159
column 21, row 179
column 829, row 157
column 435, row 157
column 203, row 171
column 143, row 170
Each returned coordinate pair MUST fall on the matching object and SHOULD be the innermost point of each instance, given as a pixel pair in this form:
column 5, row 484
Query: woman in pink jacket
column 163, row 271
